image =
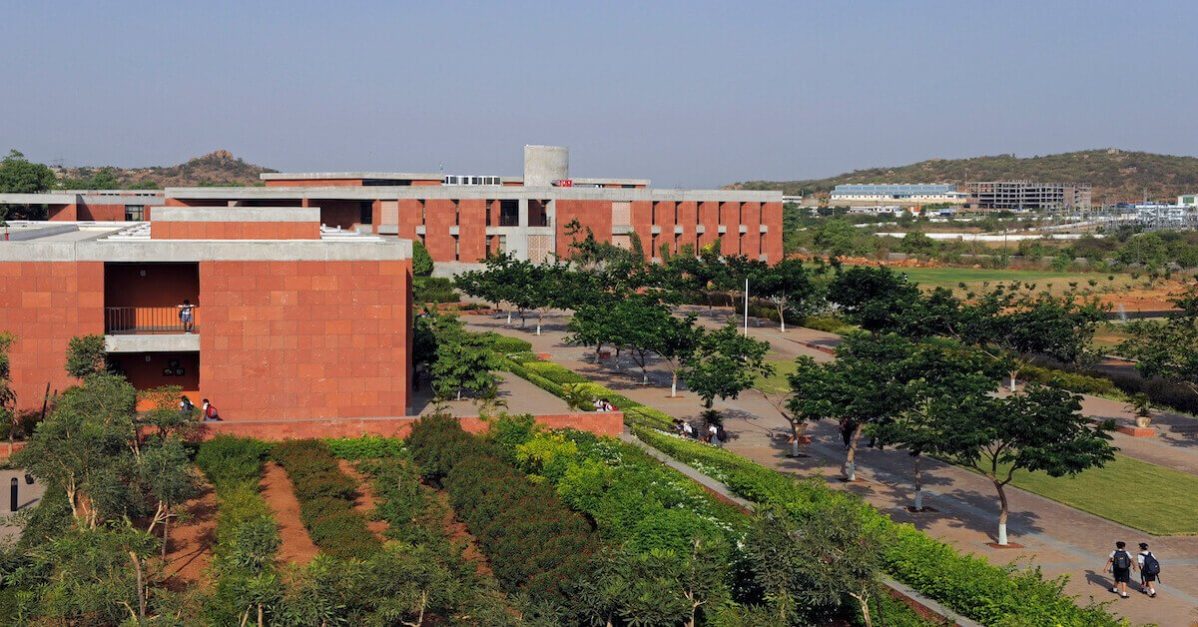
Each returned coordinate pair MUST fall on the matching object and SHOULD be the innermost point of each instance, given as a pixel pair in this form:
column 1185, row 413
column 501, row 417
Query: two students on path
column 1120, row 563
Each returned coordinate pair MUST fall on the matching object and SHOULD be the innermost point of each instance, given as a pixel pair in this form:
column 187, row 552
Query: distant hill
column 1116, row 175
column 218, row 168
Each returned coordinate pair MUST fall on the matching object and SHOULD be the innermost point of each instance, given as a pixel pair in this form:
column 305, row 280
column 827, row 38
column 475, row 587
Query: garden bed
column 189, row 552
column 277, row 490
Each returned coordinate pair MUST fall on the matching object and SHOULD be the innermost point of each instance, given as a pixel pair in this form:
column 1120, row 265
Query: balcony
column 150, row 320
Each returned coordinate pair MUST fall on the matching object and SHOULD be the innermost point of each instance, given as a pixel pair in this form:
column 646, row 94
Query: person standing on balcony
column 187, row 316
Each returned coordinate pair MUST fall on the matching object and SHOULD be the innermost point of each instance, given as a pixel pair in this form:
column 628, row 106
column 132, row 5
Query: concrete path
column 1058, row 538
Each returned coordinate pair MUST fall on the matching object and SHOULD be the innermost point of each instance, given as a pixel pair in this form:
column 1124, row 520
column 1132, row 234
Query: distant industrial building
column 905, row 194
column 1188, row 200
column 1028, row 196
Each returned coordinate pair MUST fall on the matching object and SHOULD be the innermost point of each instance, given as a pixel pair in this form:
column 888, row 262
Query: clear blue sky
column 686, row 93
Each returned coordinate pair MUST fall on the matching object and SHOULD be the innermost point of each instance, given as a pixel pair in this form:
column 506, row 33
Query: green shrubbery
column 967, row 584
column 1072, row 381
column 365, row 447
column 506, row 345
column 535, row 544
column 326, row 499
column 429, row 289
column 247, row 537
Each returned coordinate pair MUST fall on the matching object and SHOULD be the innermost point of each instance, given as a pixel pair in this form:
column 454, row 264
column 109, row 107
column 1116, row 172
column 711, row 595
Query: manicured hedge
column 506, row 344
column 326, row 497
column 965, row 583
column 365, row 447
column 535, row 544
column 1072, row 381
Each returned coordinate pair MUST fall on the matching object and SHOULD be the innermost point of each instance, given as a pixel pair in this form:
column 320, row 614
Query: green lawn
column 776, row 383
column 974, row 277
column 1158, row 500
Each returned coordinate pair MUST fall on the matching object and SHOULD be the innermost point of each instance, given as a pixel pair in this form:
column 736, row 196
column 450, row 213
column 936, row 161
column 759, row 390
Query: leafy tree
column 676, row 342
column 865, row 385
column 942, row 376
column 86, row 356
column 724, row 364
column 165, row 469
column 463, row 362
column 1042, row 429
column 874, row 298
column 840, row 238
column 806, row 563
column 18, row 175
column 1014, row 321
column 498, row 282
column 8, row 396
column 637, row 323
column 787, row 284
column 1169, row 349
column 422, row 262
column 83, row 447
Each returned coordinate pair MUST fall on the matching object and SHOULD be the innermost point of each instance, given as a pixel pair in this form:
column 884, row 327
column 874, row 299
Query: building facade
column 905, row 194
column 462, row 219
column 286, row 320
column 1029, row 196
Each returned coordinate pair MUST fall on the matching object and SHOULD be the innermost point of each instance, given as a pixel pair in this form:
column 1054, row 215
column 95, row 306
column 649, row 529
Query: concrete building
column 289, row 320
column 1029, row 196
column 88, row 205
column 1188, row 200
column 904, row 194
column 462, row 219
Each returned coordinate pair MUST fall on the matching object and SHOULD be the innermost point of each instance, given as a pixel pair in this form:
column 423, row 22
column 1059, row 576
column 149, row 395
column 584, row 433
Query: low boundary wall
column 599, row 423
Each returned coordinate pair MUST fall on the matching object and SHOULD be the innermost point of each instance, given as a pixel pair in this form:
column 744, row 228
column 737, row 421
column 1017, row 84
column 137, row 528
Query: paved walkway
column 1058, row 538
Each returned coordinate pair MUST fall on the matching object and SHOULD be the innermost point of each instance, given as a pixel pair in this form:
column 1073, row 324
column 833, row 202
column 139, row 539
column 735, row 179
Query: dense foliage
column 535, row 544
column 326, row 497
column 967, row 584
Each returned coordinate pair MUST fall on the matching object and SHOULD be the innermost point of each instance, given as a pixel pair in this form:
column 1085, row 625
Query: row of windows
column 657, row 241
column 455, row 179
column 723, row 206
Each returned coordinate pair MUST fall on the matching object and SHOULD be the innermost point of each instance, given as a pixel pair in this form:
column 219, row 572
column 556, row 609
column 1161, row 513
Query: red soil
column 191, row 539
column 296, row 547
column 365, row 502
column 458, row 534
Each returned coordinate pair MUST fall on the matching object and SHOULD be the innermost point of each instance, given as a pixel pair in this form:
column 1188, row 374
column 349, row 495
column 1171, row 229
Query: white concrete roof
column 295, row 176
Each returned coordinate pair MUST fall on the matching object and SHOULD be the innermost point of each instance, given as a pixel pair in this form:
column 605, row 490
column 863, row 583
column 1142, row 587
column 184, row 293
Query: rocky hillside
column 1116, row 175
column 219, row 168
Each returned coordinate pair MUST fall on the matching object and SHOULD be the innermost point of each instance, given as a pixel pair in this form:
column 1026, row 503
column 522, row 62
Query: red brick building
column 289, row 321
column 460, row 219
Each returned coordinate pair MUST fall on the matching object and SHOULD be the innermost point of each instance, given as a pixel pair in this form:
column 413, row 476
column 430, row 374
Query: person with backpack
column 1119, row 564
column 1150, row 570
column 210, row 413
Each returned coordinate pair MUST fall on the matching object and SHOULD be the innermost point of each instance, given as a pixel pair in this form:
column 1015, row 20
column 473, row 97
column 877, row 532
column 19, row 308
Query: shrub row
column 365, row 447
column 247, row 537
column 1159, row 391
column 550, row 377
column 505, row 344
column 326, row 499
column 535, row 543
column 967, row 584
column 632, row 497
column 1072, row 381
column 434, row 290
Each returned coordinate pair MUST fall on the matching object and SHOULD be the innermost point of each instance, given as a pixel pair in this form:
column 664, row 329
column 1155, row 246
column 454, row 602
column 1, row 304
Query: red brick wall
column 305, row 339
column 608, row 424
column 65, row 213
column 473, row 230
column 771, row 216
column 235, row 230
column 44, row 304
column 102, row 213
column 164, row 284
column 409, row 218
column 439, row 216
column 595, row 214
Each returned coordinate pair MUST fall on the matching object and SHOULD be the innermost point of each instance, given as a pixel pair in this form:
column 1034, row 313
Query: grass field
column 974, row 277
column 1128, row 491
column 776, row 383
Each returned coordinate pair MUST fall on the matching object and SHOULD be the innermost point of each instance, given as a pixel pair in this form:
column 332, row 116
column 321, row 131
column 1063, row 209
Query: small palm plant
column 1141, row 406
column 578, row 397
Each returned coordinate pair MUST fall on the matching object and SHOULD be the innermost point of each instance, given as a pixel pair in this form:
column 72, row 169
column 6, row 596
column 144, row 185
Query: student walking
column 1119, row 564
column 1150, row 570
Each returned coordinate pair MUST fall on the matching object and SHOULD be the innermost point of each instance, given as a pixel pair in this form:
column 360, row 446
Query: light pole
column 746, row 306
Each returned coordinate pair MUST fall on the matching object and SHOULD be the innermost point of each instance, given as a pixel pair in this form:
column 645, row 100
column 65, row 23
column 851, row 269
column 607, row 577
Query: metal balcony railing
column 151, row 320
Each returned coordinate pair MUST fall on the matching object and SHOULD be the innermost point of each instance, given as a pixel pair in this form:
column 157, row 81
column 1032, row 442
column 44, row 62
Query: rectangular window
column 135, row 213
column 423, row 215
column 457, row 247
column 366, row 212
column 675, row 213
column 457, row 213
column 490, row 207
column 509, row 212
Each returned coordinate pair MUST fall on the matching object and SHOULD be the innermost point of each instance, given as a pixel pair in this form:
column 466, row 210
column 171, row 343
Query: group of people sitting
column 713, row 434
column 601, row 404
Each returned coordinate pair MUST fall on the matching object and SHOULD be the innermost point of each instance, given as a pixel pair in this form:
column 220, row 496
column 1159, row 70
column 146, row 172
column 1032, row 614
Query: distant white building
column 1188, row 200
column 903, row 194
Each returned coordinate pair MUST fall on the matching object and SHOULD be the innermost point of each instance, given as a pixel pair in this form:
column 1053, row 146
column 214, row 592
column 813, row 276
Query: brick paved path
column 1060, row 539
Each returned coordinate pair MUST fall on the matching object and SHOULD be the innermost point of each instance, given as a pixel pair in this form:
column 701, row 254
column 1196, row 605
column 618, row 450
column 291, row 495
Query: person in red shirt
column 210, row 413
